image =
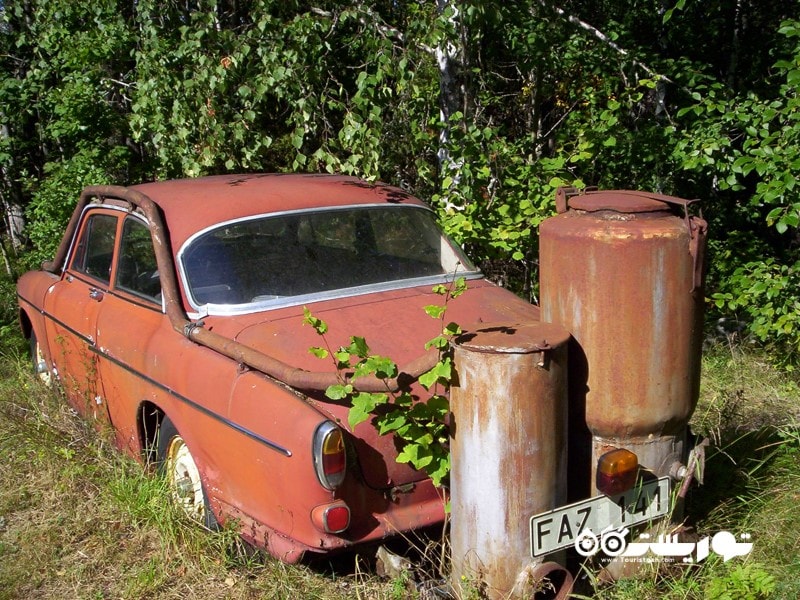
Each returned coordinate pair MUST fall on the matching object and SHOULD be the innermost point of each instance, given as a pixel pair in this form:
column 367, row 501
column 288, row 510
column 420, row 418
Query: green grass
column 79, row 520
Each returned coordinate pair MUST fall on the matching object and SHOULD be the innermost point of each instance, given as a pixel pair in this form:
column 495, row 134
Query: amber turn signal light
column 616, row 471
column 330, row 457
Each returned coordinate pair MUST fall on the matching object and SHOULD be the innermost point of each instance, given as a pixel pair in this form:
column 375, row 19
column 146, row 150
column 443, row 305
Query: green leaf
column 439, row 342
column 452, row 329
column 439, row 405
column 297, row 140
column 318, row 352
column 362, row 406
column 358, row 346
column 420, row 412
column 381, row 367
column 339, row 391
column 418, row 456
column 391, row 422
column 404, row 399
column 342, row 356
column 356, row 416
column 318, row 324
column 439, row 468
column 459, row 287
column 441, row 372
column 435, row 311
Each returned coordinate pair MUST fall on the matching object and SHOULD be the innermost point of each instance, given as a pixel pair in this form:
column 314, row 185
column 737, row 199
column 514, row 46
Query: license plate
column 558, row 529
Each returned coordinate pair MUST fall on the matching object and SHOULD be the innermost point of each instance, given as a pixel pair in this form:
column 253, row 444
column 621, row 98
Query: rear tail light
column 330, row 461
column 331, row 518
column 616, row 471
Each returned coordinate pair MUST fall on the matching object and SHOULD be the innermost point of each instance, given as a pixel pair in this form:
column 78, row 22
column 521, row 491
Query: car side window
column 137, row 271
column 95, row 251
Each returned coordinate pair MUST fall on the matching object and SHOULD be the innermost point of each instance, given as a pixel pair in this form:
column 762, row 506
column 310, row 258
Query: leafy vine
column 420, row 424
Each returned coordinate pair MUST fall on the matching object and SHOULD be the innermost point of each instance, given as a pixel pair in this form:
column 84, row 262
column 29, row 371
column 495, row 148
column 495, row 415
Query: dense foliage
column 482, row 107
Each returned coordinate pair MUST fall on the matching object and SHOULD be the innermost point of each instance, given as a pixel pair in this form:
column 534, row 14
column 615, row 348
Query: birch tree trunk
column 13, row 215
column 449, row 58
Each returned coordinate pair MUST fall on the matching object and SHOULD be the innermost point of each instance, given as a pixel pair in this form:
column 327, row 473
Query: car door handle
column 96, row 294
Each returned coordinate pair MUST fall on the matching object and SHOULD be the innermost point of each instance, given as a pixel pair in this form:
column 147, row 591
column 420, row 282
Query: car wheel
column 40, row 366
column 183, row 477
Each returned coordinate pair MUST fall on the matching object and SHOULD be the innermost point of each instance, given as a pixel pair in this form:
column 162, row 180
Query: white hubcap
column 42, row 371
column 184, row 479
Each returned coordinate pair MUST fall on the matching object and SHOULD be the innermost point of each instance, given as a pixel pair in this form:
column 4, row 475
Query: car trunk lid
column 394, row 324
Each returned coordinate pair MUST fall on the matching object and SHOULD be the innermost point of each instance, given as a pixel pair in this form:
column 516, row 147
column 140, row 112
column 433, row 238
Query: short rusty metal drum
column 623, row 273
column 509, row 409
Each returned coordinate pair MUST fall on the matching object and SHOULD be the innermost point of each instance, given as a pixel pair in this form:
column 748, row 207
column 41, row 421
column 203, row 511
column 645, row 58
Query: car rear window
column 310, row 252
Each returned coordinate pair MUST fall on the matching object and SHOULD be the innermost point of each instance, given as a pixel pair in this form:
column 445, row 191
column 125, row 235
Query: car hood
column 394, row 324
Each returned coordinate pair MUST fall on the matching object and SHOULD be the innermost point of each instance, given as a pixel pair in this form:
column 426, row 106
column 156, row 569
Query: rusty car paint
column 247, row 410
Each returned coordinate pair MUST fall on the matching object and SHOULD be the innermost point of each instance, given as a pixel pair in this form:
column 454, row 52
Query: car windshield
column 317, row 252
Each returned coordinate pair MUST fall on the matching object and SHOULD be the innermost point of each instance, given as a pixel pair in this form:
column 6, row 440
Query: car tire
column 40, row 367
column 177, row 465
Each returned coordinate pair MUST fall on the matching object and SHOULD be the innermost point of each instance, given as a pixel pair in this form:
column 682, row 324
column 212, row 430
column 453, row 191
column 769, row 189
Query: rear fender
column 270, row 467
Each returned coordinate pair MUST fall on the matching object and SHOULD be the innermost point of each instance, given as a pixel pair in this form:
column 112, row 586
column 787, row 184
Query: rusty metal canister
column 623, row 273
column 508, row 451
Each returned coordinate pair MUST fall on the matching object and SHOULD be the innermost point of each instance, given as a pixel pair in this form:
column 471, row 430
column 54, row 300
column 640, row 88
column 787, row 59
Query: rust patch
column 508, row 446
column 630, row 293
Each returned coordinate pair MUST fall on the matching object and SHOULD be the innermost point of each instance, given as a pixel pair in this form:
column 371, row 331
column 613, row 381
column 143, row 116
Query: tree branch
column 386, row 30
column 603, row 38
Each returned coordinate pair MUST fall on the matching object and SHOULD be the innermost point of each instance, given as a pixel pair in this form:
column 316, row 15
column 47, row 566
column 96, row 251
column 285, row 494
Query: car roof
column 192, row 205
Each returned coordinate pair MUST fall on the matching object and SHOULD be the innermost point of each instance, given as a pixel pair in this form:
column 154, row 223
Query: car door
column 74, row 303
column 130, row 329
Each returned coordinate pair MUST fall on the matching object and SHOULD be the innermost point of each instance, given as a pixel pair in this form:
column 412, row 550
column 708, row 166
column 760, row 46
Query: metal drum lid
column 620, row 201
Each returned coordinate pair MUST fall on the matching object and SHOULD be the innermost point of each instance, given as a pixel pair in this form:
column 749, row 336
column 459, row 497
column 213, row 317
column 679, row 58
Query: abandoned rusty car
column 173, row 312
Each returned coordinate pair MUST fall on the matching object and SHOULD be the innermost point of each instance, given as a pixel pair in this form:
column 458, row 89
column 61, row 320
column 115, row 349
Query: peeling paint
column 508, row 447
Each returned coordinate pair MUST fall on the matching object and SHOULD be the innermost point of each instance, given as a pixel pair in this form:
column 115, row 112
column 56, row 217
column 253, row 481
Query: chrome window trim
column 116, row 286
column 127, row 212
column 74, row 240
column 222, row 310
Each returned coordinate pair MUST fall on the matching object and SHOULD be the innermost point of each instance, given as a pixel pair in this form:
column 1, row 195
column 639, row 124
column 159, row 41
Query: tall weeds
column 80, row 520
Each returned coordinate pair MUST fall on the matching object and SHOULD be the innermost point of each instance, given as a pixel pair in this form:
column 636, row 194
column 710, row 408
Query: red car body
column 140, row 327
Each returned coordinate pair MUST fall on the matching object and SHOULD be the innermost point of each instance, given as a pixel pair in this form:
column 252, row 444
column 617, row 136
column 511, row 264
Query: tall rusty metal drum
column 623, row 273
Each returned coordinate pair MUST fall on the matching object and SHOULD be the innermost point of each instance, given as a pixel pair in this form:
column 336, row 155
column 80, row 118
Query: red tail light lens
column 330, row 460
column 331, row 518
column 616, row 471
